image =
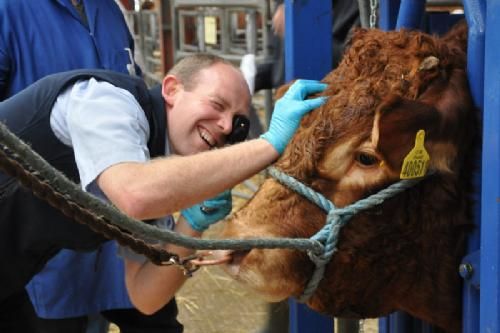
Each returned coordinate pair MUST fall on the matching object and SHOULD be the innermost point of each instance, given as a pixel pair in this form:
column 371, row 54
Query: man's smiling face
column 200, row 118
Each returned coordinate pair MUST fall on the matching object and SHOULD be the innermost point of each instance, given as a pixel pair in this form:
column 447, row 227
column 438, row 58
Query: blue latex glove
column 201, row 216
column 290, row 109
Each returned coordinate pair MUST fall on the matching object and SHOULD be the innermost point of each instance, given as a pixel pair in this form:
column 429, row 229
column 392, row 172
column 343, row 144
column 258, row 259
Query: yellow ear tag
column 417, row 161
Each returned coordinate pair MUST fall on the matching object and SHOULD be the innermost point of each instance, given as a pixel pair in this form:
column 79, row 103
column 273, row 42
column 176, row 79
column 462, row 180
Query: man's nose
column 226, row 123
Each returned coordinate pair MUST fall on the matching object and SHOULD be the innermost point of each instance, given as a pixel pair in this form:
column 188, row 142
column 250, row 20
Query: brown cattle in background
column 405, row 253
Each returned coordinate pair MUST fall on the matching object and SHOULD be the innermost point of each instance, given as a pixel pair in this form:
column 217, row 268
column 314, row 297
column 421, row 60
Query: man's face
column 200, row 119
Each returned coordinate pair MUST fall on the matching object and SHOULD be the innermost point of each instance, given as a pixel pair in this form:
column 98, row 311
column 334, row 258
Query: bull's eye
column 366, row 159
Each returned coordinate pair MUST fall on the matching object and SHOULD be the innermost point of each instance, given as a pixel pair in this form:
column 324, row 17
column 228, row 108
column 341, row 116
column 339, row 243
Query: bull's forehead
column 381, row 63
column 377, row 67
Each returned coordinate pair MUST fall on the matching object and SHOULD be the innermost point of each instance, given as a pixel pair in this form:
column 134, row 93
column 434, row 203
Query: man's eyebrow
column 220, row 99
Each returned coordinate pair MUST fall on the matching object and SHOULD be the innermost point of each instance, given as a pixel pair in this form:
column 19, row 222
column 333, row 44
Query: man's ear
column 169, row 89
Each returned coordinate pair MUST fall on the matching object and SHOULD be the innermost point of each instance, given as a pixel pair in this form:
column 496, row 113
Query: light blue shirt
column 104, row 124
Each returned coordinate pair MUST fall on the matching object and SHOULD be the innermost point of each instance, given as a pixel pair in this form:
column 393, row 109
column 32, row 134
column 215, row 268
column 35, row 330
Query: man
column 113, row 125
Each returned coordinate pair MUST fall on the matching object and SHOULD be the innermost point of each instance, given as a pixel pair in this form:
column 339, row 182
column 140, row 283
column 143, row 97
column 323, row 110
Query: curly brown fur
column 403, row 254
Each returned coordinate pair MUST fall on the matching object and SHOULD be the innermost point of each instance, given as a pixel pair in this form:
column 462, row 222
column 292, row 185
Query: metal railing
column 228, row 28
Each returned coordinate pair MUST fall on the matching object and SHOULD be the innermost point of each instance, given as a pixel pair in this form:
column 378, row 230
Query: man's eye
column 366, row 159
column 218, row 106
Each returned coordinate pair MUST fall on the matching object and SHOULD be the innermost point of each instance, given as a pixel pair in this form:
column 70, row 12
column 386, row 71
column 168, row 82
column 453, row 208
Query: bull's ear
column 395, row 127
column 444, row 109
column 456, row 37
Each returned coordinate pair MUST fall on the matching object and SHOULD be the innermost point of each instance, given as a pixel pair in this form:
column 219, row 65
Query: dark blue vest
column 31, row 231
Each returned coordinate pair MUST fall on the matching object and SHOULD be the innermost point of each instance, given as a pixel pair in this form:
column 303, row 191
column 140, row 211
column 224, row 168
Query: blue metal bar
column 308, row 39
column 475, row 11
column 399, row 322
column 470, row 271
column 490, row 193
column 383, row 325
column 388, row 13
column 411, row 13
column 308, row 55
column 305, row 320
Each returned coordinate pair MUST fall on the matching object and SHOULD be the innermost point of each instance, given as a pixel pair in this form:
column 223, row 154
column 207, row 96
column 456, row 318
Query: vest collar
column 157, row 138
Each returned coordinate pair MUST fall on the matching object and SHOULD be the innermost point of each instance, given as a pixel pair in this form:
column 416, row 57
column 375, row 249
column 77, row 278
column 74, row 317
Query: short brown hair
column 187, row 69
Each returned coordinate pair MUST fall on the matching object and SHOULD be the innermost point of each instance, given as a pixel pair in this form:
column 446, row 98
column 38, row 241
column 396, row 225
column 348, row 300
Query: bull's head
column 403, row 254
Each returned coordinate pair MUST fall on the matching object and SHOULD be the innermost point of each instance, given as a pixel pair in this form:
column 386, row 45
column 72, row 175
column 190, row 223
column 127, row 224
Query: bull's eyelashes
column 365, row 159
column 240, row 129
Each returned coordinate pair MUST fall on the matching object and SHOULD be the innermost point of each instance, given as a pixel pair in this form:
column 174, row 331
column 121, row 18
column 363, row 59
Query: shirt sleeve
column 104, row 124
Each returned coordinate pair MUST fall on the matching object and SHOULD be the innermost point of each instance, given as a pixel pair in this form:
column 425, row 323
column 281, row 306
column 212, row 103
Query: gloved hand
column 290, row 109
column 201, row 216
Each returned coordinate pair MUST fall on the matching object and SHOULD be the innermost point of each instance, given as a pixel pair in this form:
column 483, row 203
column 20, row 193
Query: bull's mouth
column 230, row 260
column 233, row 267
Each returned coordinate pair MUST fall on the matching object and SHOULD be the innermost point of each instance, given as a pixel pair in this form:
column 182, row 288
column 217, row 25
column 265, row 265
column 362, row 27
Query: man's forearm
column 165, row 185
column 150, row 287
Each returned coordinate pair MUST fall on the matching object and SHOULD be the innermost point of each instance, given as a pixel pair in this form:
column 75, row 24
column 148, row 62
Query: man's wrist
column 278, row 147
column 183, row 226
column 186, row 215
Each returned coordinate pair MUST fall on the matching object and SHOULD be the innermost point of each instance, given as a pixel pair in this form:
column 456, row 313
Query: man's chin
column 190, row 149
column 196, row 149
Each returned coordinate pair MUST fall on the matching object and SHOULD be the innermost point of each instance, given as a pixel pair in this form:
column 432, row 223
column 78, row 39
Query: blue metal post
column 475, row 13
column 388, row 13
column 411, row 13
column 308, row 39
column 305, row 320
column 490, row 194
column 308, row 55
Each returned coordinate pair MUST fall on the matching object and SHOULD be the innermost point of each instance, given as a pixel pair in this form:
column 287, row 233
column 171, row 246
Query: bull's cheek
column 270, row 289
column 277, row 273
column 316, row 303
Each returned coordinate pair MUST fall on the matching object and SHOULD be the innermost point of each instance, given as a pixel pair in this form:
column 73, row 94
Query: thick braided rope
column 64, row 187
column 335, row 220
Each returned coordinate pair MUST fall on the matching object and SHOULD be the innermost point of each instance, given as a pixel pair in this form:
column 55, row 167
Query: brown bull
column 405, row 253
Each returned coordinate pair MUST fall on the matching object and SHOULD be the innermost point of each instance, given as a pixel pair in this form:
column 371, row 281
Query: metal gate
column 228, row 28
